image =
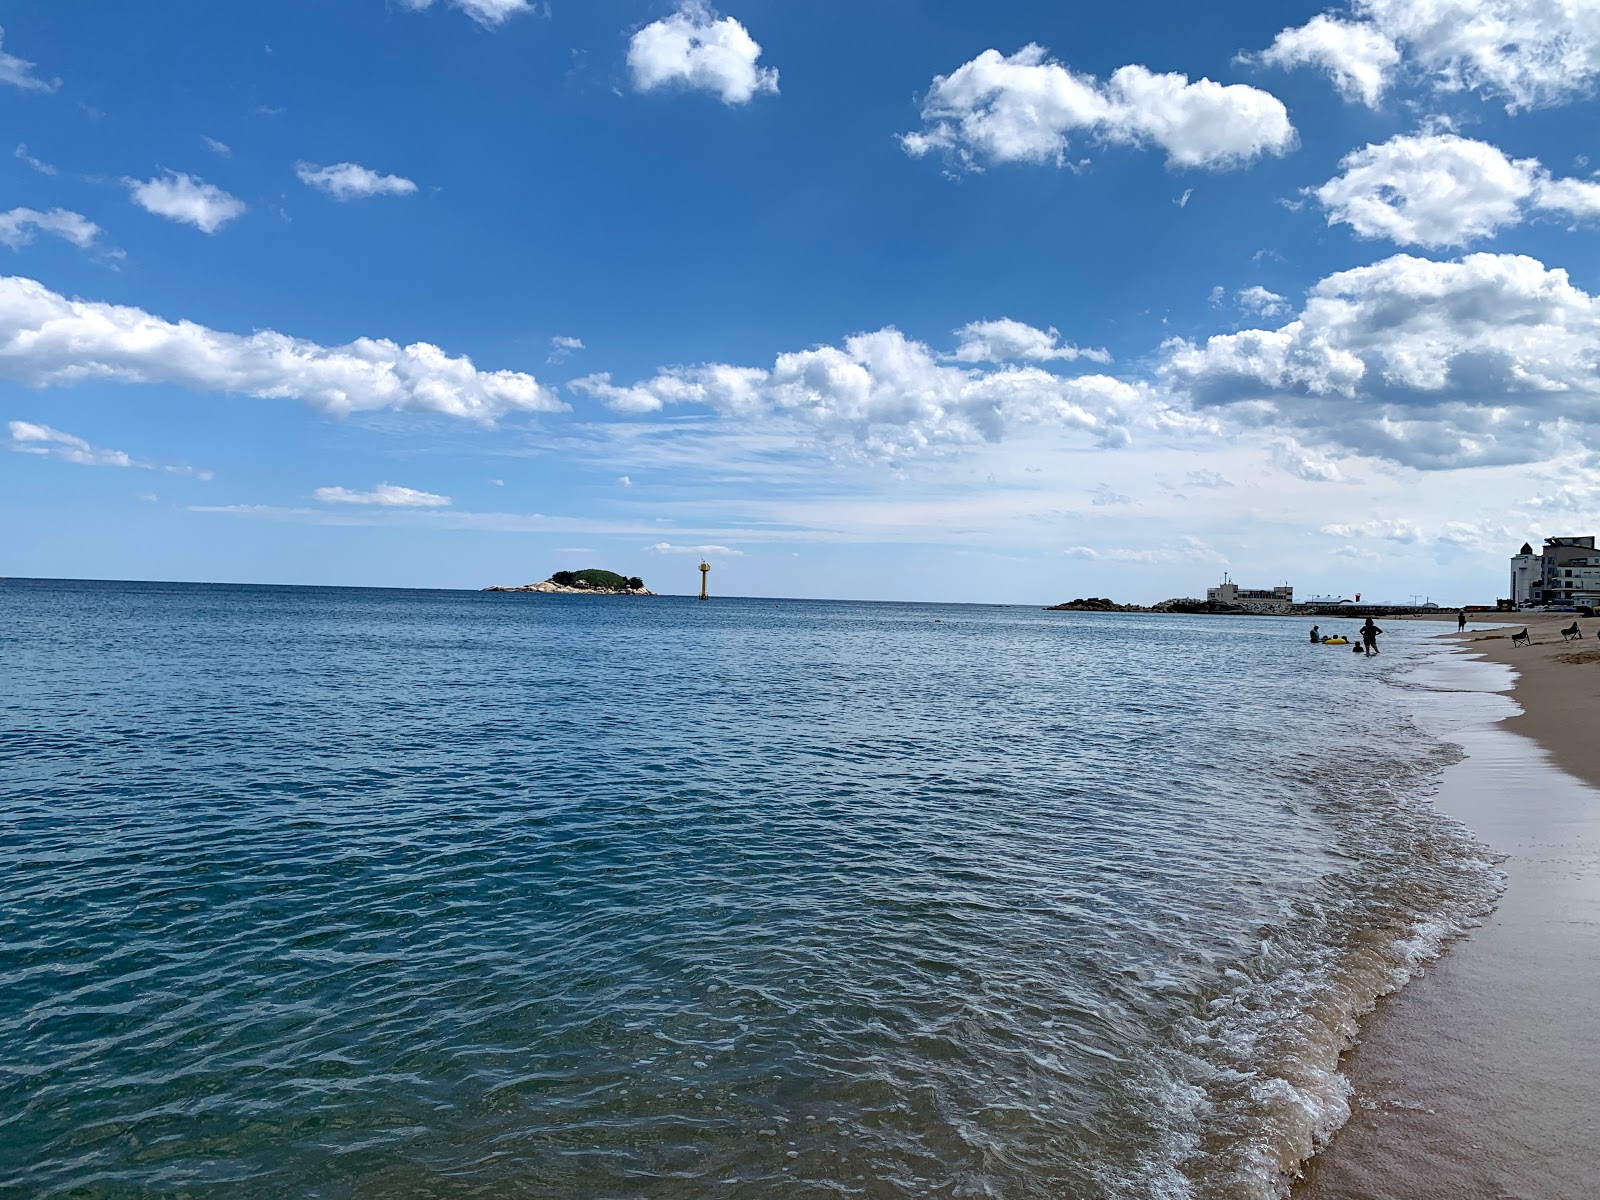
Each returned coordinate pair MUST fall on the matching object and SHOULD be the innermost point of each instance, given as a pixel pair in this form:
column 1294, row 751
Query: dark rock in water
column 1095, row 604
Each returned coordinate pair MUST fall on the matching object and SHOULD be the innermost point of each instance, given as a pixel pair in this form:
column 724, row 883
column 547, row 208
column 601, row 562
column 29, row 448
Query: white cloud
column 386, row 495
column 1289, row 455
column 1474, row 535
column 1106, row 496
column 1006, row 340
column 1360, row 58
column 624, row 481
column 53, row 443
column 882, row 396
column 1444, row 190
column 563, row 348
column 1573, row 197
column 698, row 551
column 1487, row 359
column 1023, row 108
column 29, row 438
column 350, row 181
column 18, row 227
column 219, row 148
column 695, row 48
column 46, row 339
column 1526, row 53
column 1187, row 550
column 44, row 168
column 180, row 197
column 18, row 72
column 488, row 13
column 1260, row 301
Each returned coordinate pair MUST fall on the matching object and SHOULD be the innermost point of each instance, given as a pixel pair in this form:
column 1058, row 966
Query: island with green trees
column 591, row 581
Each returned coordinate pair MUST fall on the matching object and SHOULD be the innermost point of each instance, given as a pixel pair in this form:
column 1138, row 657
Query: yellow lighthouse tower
column 705, row 569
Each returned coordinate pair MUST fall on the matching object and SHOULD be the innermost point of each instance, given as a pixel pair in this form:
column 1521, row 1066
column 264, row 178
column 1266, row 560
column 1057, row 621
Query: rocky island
column 589, row 582
column 1178, row 604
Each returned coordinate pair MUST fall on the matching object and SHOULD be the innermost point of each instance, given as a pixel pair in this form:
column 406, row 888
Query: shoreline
column 1481, row 1077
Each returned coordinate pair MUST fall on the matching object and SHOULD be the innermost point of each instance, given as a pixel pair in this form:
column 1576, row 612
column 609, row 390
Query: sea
column 318, row 892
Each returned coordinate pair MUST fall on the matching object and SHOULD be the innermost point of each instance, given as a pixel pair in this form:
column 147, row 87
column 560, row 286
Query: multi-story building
column 1565, row 571
column 1228, row 592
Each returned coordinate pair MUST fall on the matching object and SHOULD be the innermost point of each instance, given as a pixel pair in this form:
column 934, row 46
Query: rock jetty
column 1179, row 604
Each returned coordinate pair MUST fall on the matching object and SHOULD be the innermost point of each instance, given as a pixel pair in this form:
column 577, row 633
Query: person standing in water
column 1369, row 637
column 1461, row 621
column 1315, row 636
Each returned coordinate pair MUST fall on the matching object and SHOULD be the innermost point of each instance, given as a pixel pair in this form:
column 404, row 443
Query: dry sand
column 1482, row 1077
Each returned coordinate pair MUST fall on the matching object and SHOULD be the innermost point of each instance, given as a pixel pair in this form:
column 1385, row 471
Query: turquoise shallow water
column 345, row 893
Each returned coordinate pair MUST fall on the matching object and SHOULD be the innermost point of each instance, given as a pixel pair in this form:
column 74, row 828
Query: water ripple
column 348, row 894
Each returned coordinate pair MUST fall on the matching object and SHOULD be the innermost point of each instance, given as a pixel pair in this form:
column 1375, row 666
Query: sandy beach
column 1482, row 1077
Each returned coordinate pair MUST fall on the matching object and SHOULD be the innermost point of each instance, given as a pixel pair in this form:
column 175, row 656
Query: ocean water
column 349, row 893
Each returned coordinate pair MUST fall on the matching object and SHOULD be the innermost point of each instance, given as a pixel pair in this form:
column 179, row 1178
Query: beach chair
column 1572, row 633
column 1520, row 639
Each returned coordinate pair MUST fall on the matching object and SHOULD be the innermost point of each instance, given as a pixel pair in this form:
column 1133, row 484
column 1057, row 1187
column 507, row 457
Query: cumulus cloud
column 488, row 13
column 1489, row 359
column 183, row 198
column 48, row 340
column 1025, row 108
column 386, row 495
column 1260, row 301
column 1012, row 341
column 1289, row 455
column 1359, row 57
column 19, row 73
column 19, row 226
column 695, row 48
column 1444, row 190
column 1106, row 496
column 349, row 181
column 698, row 551
column 1525, row 53
column 882, row 395
column 563, row 348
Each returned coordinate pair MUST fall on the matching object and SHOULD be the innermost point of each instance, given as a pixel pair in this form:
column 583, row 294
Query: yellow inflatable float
column 1335, row 641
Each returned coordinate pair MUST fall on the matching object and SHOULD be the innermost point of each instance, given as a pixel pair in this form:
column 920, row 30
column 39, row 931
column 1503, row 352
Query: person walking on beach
column 1369, row 637
column 1461, row 621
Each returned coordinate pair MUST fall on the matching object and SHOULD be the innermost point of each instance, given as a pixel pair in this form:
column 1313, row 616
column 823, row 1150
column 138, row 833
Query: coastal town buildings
column 1566, row 570
column 1251, row 599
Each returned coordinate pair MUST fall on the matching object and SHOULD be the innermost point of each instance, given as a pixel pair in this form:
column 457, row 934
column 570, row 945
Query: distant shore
column 1482, row 1077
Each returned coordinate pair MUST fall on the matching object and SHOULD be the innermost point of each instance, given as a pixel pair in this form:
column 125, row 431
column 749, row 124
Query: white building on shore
column 1565, row 571
column 1255, row 599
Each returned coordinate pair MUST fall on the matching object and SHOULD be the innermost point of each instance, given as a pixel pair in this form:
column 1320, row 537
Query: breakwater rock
column 1180, row 604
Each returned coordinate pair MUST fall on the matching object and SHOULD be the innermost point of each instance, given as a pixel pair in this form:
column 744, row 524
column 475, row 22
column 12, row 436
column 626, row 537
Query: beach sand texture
column 1482, row 1078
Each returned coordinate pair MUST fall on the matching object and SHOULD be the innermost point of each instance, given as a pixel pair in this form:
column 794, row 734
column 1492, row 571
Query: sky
column 912, row 300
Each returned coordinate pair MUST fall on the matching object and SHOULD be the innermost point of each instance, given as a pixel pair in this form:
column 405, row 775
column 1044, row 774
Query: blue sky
column 906, row 300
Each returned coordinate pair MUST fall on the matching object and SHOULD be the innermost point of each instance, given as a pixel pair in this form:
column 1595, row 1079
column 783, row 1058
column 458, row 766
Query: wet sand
column 1482, row 1077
